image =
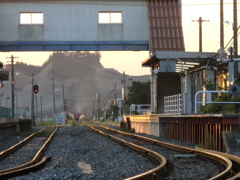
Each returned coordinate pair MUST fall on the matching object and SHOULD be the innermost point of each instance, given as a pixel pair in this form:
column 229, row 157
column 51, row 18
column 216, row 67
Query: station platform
column 9, row 127
column 204, row 130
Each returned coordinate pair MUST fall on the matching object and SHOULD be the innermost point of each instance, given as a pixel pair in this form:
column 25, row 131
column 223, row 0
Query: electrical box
column 234, row 89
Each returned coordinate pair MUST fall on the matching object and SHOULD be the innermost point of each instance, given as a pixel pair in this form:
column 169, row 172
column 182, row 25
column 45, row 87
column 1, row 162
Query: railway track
column 27, row 155
column 174, row 162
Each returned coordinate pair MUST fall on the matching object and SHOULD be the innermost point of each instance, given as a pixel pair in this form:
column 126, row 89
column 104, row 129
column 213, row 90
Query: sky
column 130, row 61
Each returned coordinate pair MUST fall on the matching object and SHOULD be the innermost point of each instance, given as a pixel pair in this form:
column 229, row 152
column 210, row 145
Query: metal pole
column 17, row 102
column 98, row 108
column 32, row 104
column 124, row 81
column 200, row 31
column 195, row 110
column 41, row 106
column 64, row 108
column 13, row 106
column 235, row 33
column 54, row 107
column 221, row 25
column 93, row 109
column 36, row 106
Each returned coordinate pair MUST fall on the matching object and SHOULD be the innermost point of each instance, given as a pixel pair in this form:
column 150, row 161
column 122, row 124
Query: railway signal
column 35, row 88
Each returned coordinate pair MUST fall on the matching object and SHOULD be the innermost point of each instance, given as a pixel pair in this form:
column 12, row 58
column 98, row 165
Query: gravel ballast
column 75, row 144
column 78, row 152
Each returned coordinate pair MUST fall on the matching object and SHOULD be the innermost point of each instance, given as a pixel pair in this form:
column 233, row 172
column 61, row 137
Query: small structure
column 185, row 73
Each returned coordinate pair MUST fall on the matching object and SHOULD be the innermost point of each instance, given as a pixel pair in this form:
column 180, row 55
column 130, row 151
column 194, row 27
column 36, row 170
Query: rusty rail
column 36, row 162
column 153, row 173
column 210, row 155
column 235, row 161
column 15, row 147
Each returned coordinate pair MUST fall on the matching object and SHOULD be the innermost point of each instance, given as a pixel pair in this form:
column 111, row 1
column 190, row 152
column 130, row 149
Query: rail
column 201, row 152
column 152, row 174
column 37, row 161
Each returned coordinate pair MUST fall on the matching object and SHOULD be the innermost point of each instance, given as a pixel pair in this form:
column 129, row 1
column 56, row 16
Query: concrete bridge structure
column 78, row 25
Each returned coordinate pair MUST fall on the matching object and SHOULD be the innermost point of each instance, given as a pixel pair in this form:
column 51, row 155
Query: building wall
column 74, row 21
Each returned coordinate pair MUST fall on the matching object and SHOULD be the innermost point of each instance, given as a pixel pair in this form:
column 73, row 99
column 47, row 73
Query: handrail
column 196, row 102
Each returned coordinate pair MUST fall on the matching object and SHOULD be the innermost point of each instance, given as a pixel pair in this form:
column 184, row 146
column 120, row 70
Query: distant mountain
column 82, row 76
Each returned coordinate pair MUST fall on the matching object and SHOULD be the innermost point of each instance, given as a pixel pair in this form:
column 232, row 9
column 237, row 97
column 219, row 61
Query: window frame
column 110, row 21
column 32, row 21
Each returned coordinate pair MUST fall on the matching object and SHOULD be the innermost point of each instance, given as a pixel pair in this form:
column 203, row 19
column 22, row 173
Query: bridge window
column 110, row 17
column 31, row 18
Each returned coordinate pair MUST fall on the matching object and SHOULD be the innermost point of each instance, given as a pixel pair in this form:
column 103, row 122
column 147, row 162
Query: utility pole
column 235, row 31
column 13, row 83
column 200, row 31
column 36, row 106
column 221, row 24
column 41, row 106
column 32, row 104
column 54, row 107
column 124, row 83
column 93, row 108
column 98, row 103
column 64, row 106
column 115, row 94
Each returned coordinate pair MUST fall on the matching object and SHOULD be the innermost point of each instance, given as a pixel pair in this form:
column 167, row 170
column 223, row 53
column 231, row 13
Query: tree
column 139, row 93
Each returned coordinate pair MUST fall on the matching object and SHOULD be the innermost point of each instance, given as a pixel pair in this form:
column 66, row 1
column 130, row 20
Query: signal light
column 35, row 88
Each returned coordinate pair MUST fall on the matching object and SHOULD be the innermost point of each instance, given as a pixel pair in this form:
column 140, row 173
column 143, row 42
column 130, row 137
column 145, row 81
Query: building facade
column 55, row 25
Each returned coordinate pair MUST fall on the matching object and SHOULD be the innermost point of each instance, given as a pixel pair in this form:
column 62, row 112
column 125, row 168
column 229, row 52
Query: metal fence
column 209, row 100
column 140, row 109
column 173, row 104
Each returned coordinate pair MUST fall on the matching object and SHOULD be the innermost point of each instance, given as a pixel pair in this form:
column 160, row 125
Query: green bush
column 222, row 108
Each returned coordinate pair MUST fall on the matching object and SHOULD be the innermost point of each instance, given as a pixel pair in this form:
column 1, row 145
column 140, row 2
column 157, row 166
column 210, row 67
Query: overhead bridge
column 75, row 46
column 133, row 25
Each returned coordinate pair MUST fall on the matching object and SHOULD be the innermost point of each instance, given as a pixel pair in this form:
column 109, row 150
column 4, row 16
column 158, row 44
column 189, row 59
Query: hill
column 80, row 73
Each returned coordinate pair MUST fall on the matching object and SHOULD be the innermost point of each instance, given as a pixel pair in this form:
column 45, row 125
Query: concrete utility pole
column 54, row 107
column 36, row 105
column 32, row 103
column 41, row 106
column 13, row 83
column 93, row 108
column 200, row 31
column 221, row 25
column 64, row 103
column 124, row 83
column 235, row 29
column 98, row 104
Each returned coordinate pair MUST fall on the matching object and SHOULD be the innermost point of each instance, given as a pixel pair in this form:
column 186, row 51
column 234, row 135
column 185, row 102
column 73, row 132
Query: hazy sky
column 130, row 61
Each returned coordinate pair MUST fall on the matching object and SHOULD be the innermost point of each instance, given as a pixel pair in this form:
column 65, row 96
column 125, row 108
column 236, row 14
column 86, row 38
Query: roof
column 182, row 55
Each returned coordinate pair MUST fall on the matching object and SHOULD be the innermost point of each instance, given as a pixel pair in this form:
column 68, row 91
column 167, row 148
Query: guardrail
column 197, row 102
column 140, row 108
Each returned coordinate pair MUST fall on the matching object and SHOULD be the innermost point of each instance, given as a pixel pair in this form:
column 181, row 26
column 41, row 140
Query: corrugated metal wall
column 165, row 23
column 168, row 84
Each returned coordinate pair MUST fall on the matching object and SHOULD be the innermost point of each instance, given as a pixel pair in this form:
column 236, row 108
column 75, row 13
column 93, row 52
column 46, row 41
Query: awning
column 184, row 56
column 188, row 59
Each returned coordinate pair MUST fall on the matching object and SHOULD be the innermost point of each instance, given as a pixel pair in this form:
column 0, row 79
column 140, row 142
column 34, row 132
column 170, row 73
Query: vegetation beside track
column 82, row 121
